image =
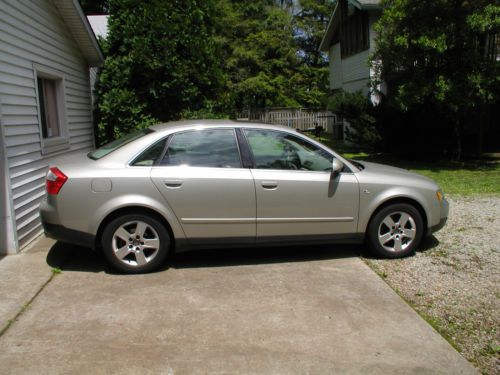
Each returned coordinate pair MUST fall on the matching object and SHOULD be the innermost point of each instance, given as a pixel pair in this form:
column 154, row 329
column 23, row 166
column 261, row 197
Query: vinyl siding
column 336, row 76
column 353, row 73
column 32, row 33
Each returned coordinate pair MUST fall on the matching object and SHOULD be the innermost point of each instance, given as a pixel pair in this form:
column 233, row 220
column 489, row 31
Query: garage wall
column 32, row 34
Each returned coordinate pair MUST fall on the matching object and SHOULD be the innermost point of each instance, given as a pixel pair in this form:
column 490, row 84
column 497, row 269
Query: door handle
column 269, row 184
column 173, row 183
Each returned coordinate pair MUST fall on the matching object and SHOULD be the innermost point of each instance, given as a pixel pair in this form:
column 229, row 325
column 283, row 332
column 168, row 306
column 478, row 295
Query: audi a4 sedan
column 213, row 183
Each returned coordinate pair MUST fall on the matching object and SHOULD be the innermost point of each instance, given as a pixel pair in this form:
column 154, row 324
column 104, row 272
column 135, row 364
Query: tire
column 135, row 253
column 395, row 231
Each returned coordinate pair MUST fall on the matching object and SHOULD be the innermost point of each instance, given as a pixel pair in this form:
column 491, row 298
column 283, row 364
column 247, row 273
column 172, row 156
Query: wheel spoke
column 384, row 238
column 403, row 220
column 409, row 233
column 122, row 252
column 122, row 234
column 389, row 222
column 140, row 258
column 151, row 243
column 398, row 245
column 140, row 228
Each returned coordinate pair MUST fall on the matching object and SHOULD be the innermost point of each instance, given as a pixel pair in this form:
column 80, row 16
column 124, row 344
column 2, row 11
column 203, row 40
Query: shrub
column 358, row 111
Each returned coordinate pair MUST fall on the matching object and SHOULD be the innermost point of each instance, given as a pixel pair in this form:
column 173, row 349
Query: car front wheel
column 135, row 243
column 395, row 231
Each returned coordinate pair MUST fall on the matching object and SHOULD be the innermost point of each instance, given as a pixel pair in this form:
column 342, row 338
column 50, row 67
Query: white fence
column 302, row 119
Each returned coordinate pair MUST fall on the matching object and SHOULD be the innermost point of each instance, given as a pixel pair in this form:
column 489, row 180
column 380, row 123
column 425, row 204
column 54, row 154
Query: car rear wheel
column 135, row 243
column 395, row 231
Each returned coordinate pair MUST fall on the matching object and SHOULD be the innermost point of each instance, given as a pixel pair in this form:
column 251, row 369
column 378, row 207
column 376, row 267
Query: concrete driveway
column 317, row 310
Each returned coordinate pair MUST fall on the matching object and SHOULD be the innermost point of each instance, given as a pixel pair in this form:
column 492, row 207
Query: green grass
column 465, row 178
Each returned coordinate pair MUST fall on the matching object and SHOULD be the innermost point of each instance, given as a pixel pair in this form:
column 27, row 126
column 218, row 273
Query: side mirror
column 336, row 167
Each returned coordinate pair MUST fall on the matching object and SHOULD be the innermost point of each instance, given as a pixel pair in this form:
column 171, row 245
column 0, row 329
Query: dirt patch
column 454, row 281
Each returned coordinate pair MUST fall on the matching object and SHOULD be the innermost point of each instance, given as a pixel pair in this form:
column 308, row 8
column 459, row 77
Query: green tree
column 161, row 59
column 259, row 55
column 95, row 6
column 358, row 110
column 310, row 22
column 441, row 54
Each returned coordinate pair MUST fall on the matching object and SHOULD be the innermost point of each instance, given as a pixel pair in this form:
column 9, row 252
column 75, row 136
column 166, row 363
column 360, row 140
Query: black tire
column 140, row 256
column 398, row 243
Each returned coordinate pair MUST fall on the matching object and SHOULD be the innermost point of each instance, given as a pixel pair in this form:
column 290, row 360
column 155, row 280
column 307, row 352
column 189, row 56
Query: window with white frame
column 51, row 109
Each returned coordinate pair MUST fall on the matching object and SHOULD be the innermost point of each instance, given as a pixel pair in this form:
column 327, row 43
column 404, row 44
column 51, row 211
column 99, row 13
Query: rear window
column 112, row 146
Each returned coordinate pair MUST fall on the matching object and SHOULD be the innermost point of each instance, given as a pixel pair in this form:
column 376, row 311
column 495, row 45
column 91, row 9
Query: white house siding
column 335, row 67
column 353, row 73
column 32, row 32
column 372, row 19
column 356, row 72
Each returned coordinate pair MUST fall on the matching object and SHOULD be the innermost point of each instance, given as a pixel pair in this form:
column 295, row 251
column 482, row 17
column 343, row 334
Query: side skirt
column 275, row 241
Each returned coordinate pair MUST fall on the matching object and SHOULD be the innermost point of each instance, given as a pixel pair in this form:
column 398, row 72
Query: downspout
column 8, row 236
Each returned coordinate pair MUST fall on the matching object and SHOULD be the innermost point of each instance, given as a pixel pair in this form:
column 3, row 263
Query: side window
column 151, row 155
column 280, row 150
column 216, row 148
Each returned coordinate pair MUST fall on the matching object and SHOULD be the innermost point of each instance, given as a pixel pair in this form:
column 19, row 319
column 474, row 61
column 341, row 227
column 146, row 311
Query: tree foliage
column 161, row 60
column 310, row 21
column 358, row 110
column 439, row 53
column 259, row 54
column 271, row 54
column 91, row 7
column 172, row 59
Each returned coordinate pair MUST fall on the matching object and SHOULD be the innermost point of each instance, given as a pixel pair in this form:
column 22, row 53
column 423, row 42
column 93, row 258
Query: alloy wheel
column 397, row 231
column 135, row 243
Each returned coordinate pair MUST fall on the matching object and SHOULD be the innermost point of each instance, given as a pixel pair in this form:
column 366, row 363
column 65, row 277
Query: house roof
column 335, row 19
column 73, row 16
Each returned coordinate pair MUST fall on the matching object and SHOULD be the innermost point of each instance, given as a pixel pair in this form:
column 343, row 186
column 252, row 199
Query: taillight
column 55, row 180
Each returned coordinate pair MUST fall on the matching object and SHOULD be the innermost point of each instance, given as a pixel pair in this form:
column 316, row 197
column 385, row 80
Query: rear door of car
column 298, row 197
column 202, row 179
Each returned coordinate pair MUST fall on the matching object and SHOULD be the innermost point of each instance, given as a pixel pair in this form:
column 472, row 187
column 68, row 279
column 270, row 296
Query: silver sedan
column 200, row 184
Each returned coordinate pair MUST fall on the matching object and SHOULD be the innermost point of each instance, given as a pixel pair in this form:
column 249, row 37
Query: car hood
column 396, row 175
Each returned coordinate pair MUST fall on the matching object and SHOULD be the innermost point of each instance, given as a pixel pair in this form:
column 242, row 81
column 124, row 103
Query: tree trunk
column 457, row 127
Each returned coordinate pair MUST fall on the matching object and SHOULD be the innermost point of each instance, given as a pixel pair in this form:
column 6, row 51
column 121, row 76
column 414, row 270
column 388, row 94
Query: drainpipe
column 8, row 240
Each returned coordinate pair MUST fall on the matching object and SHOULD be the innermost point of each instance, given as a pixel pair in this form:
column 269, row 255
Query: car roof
column 187, row 124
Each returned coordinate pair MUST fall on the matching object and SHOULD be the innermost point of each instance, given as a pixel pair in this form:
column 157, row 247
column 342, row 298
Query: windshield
column 116, row 144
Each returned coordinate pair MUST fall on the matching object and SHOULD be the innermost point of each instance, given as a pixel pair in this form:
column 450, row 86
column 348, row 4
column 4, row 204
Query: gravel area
column 454, row 280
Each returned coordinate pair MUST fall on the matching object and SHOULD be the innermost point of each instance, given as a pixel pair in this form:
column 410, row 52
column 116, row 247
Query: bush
column 358, row 111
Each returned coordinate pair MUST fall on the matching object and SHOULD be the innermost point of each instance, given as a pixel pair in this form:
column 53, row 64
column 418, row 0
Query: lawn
column 466, row 178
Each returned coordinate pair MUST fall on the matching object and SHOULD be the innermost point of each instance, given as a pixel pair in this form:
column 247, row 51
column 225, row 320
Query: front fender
column 371, row 200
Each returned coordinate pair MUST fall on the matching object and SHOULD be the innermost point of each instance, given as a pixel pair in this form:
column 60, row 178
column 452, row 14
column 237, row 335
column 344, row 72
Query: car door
column 297, row 195
column 202, row 179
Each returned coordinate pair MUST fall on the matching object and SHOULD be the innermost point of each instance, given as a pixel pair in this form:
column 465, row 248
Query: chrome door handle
column 269, row 184
column 173, row 183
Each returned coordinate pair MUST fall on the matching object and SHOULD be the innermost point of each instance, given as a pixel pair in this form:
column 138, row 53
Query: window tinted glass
column 151, row 155
column 215, row 148
column 112, row 146
column 279, row 150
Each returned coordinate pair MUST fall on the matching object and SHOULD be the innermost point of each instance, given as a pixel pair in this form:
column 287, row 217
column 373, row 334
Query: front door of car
column 202, row 180
column 297, row 195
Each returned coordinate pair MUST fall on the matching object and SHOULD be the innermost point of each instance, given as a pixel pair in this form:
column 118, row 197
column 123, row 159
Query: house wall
column 336, row 77
column 356, row 72
column 32, row 34
column 353, row 73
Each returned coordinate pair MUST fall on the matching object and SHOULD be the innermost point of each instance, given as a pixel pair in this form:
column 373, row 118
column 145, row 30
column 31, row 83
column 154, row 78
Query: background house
column 46, row 49
column 349, row 40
